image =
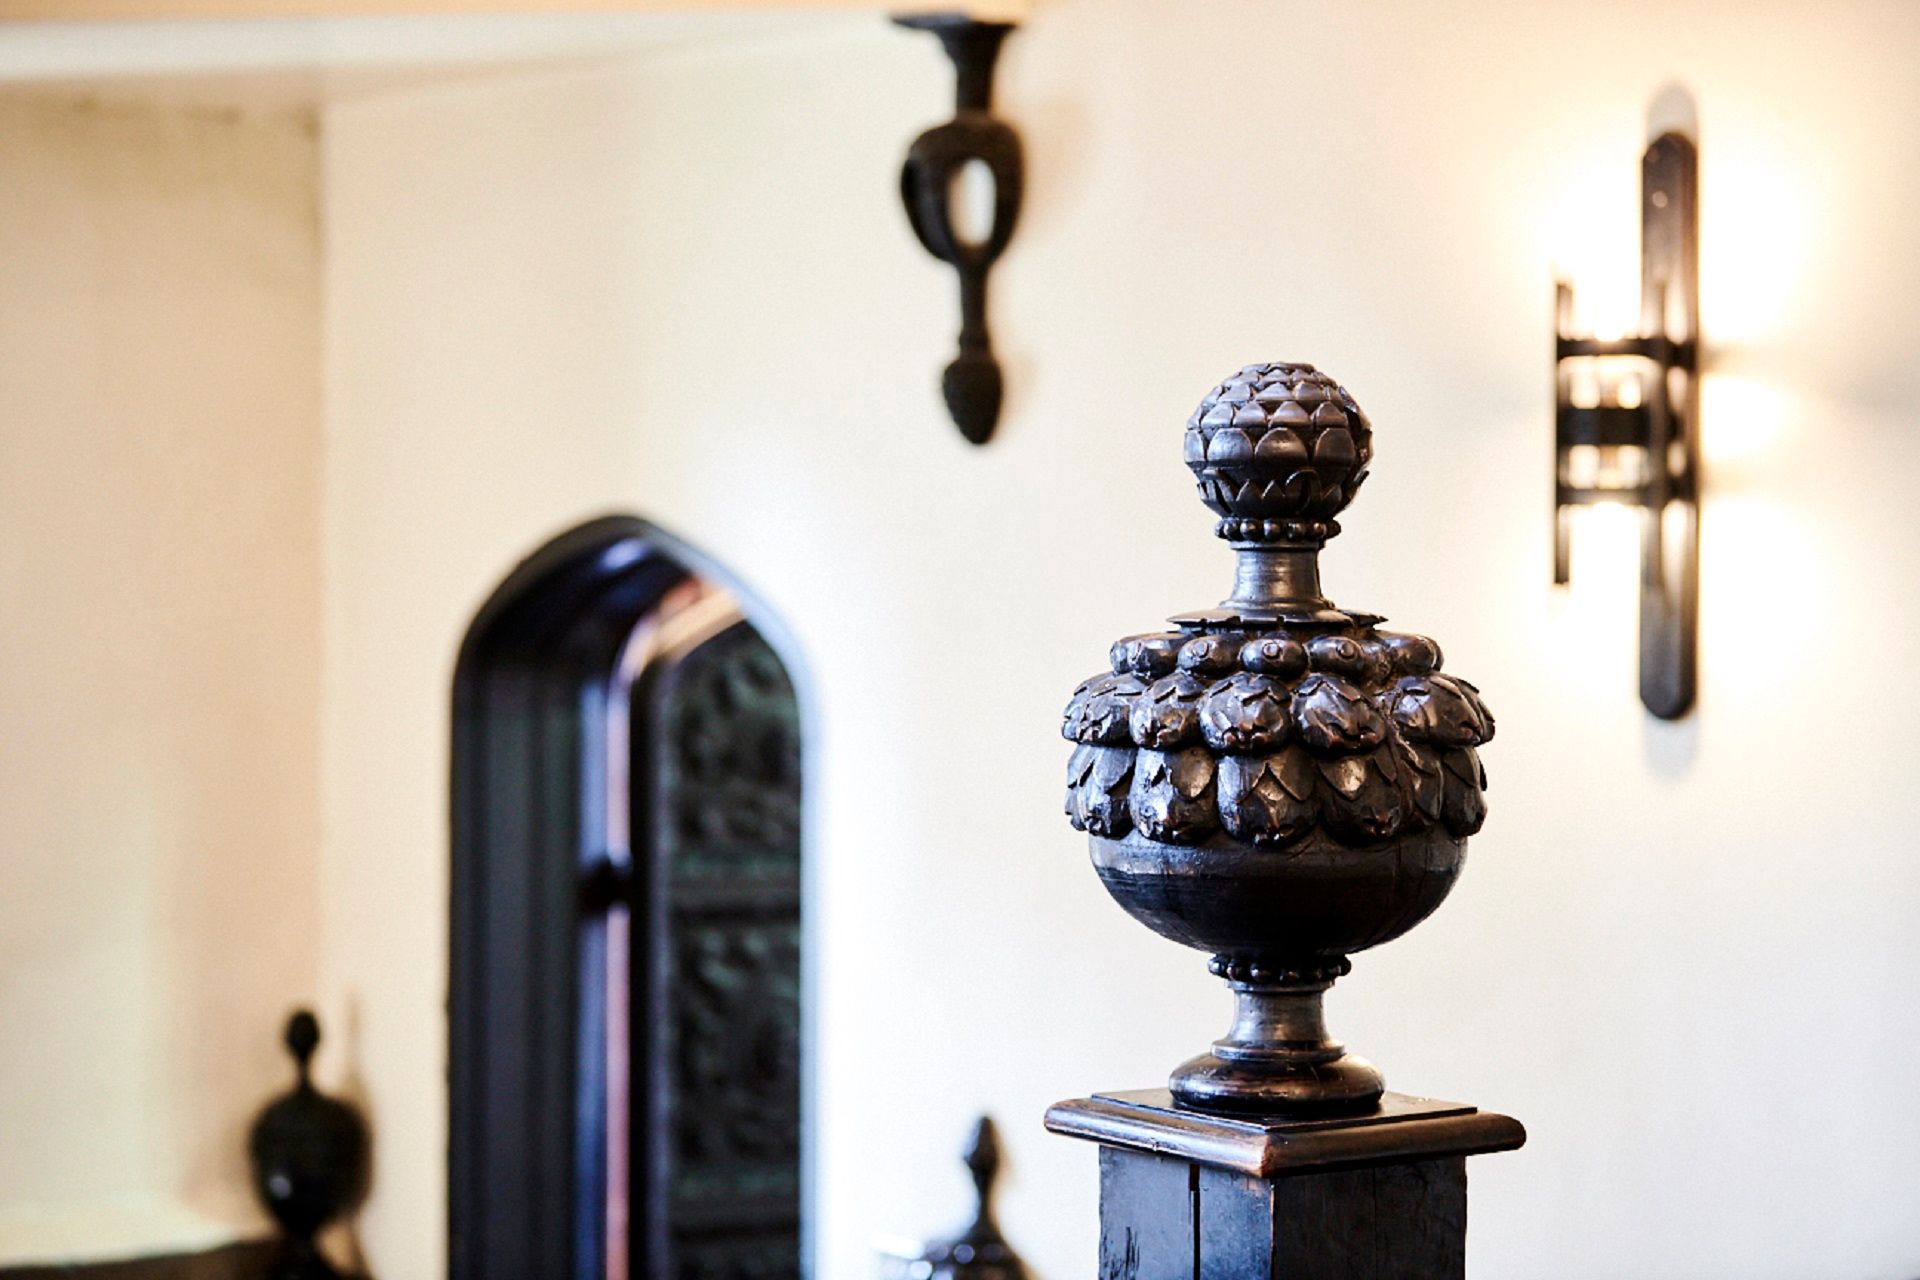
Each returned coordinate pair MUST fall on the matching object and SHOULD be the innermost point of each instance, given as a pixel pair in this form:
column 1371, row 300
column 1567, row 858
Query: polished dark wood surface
column 249, row 1260
column 1162, row 1219
column 1401, row 1128
column 1381, row 1222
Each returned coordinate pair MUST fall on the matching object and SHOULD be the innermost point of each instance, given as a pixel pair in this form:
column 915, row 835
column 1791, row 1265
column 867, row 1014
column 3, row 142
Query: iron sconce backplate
column 1626, row 415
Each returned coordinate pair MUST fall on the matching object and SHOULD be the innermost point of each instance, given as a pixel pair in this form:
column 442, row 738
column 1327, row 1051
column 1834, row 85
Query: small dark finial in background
column 983, row 1159
column 309, row 1156
column 980, row 1252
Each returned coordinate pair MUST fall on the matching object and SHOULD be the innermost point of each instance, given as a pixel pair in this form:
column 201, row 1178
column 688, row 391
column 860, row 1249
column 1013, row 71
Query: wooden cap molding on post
column 1282, row 783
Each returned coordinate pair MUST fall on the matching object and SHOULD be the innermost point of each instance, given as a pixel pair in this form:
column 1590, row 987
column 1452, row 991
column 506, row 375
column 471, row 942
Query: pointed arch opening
column 626, row 1002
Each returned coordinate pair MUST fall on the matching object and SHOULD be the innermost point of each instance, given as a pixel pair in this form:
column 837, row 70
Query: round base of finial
column 1278, row 1058
column 1341, row 1085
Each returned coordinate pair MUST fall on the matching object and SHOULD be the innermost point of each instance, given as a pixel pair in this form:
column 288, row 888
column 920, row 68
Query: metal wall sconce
column 1627, row 424
column 972, row 383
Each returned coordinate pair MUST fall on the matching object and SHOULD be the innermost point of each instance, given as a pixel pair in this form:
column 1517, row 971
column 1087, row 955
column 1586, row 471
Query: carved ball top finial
column 1278, row 450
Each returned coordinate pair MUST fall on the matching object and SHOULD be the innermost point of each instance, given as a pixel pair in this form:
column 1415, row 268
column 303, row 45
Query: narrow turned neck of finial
column 1279, row 1016
column 302, row 1037
column 1270, row 575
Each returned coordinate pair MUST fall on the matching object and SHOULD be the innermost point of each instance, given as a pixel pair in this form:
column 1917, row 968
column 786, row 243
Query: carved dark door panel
column 716, row 820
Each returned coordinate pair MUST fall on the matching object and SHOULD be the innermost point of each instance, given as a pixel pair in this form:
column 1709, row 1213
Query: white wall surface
column 683, row 288
column 160, row 626
column 1681, row 954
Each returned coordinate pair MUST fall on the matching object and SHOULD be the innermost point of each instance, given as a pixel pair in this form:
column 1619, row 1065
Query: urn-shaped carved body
column 309, row 1157
column 1277, row 781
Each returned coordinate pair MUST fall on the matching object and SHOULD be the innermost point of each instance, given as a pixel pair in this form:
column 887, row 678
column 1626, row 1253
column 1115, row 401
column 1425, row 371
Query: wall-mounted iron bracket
column 1627, row 424
column 972, row 383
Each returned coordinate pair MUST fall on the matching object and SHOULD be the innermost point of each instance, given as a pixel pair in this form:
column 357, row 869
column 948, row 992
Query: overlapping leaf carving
column 1269, row 735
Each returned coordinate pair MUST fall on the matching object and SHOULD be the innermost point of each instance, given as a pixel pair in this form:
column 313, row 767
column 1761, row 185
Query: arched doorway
column 626, row 987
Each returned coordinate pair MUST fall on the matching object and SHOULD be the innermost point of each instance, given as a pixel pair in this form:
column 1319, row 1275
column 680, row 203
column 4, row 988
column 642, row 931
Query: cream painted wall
column 160, row 621
column 1682, row 954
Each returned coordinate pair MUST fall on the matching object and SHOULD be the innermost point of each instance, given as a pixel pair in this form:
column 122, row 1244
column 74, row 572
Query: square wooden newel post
column 1281, row 783
column 1189, row 1196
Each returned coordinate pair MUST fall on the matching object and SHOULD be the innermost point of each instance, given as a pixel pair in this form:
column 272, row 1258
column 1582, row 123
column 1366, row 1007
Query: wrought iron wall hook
column 1632, row 434
column 972, row 383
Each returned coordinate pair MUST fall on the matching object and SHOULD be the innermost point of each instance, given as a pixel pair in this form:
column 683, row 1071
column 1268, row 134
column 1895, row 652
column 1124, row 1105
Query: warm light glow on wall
column 1740, row 418
column 1594, row 624
column 1752, row 549
column 1606, row 547
column 1757, row 221
column 1591, row 245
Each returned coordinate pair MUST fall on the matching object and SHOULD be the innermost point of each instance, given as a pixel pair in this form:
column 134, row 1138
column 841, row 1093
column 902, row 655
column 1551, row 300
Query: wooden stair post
column 1189, row 1196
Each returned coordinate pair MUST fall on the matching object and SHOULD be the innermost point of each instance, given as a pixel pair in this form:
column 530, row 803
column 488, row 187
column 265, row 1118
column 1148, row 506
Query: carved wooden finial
column 983, row 1162
column 1277, row 781
column 979, row 1252
column 309, row 1156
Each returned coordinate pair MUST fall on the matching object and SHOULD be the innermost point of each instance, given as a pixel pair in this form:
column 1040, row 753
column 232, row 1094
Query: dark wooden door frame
column 533, row 674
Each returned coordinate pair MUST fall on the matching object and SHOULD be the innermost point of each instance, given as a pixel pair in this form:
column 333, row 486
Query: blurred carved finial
column 980, row 1252
column 309, row 1160
column 983, row 1160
